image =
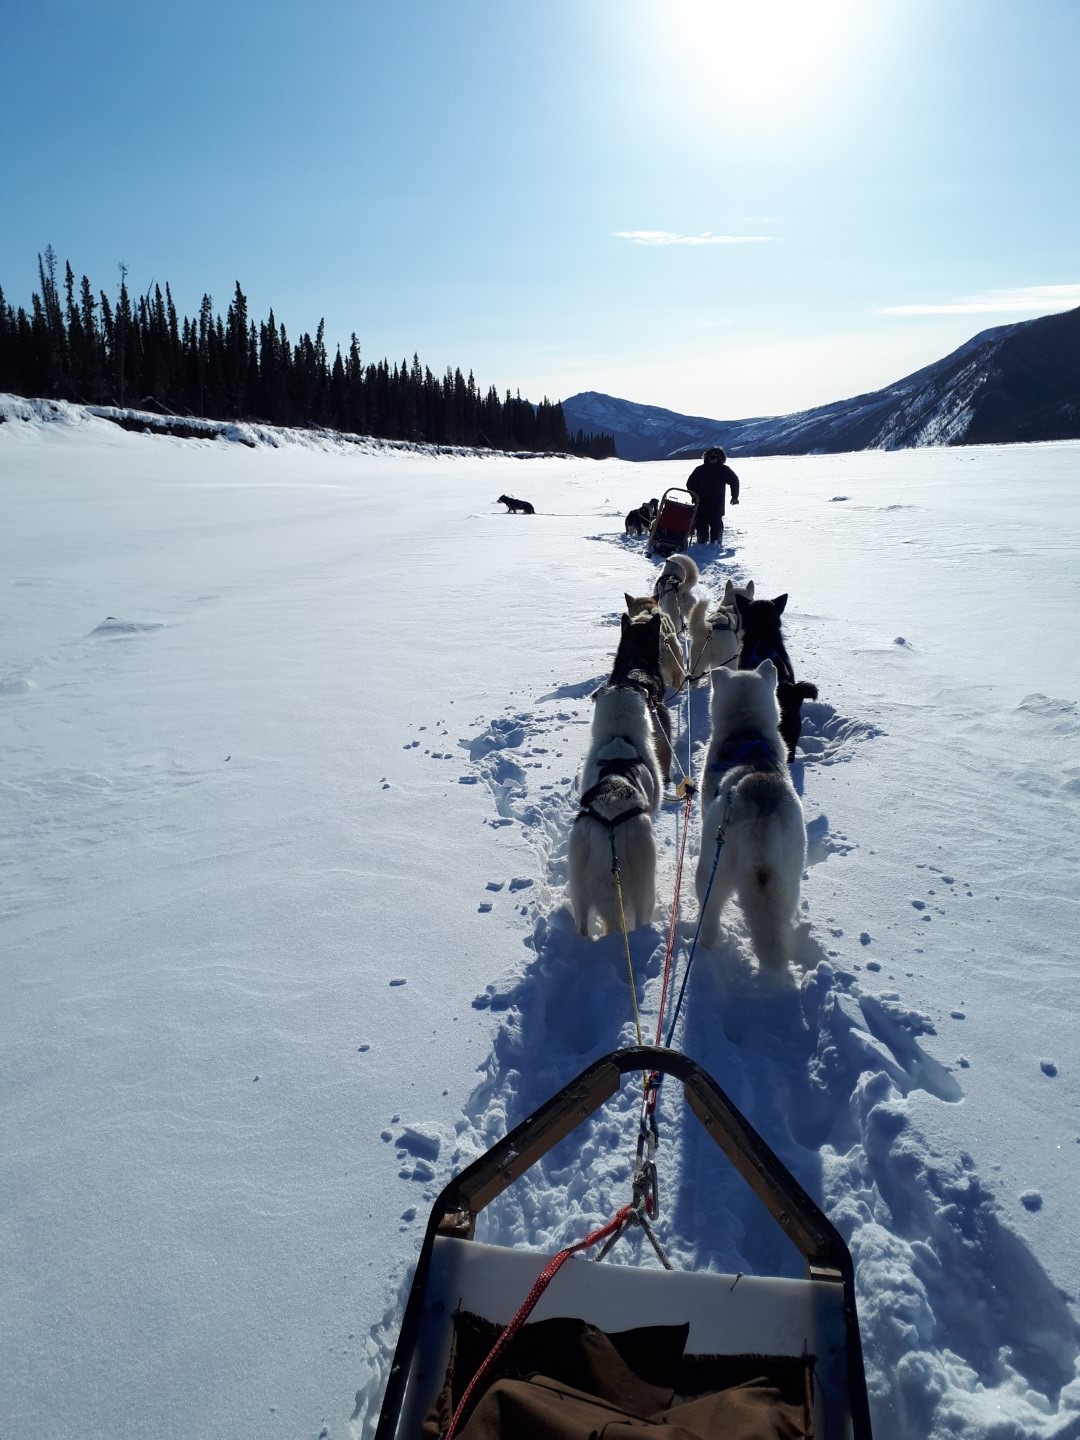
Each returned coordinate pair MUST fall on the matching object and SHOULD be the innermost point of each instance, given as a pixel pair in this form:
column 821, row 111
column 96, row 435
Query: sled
column 674, row 523
column 796, row 1340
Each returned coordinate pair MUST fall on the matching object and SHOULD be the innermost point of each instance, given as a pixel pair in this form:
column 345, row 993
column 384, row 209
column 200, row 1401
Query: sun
column 755, row 57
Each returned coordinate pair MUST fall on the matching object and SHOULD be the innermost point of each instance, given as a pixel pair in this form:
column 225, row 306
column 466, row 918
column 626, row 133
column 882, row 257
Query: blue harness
column 765, row 650
column 746, row 748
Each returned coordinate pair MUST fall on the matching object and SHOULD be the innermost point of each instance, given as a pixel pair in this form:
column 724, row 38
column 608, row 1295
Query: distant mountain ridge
column 1013, row 383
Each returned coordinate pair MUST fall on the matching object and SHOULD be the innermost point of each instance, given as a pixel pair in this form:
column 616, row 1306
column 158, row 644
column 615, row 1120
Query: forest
column 136, row 352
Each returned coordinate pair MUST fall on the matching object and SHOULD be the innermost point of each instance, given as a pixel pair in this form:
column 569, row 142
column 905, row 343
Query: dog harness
column 762, row 650
column 719, row 621
column 667, row 584
column 725, row 620
column 746, row 747
column 624, row 767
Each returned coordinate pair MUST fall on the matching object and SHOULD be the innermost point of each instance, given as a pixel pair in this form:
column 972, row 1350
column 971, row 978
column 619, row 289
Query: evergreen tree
column 123, row 353
column 235, row 357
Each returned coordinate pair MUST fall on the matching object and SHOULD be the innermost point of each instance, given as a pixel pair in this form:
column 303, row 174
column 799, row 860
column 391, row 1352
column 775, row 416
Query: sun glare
column 765, row 58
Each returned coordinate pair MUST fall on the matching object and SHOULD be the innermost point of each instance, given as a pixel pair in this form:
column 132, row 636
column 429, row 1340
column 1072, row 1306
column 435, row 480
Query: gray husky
column 748, row 799
column 621, row 788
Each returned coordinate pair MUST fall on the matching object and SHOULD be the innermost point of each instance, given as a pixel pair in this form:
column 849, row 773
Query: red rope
column 544, row 1279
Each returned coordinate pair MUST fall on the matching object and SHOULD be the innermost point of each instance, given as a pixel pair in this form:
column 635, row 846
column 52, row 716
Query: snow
column 290, row 732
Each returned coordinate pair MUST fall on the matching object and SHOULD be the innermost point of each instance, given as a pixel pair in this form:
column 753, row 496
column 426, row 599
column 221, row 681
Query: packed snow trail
column 291, row 733
column 826, row 1072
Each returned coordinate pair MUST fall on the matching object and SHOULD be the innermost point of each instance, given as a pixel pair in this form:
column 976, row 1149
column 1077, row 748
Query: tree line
column 138, row 353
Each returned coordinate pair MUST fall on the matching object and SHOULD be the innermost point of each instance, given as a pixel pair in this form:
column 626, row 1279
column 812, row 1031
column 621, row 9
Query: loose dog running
column 748, row 800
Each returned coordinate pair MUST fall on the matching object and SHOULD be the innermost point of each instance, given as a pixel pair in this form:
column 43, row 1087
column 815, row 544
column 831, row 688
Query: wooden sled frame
column 828, row 1262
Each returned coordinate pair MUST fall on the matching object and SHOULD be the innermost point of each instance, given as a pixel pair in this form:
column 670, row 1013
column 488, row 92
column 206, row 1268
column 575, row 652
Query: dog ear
column 767, row 670
column 626, row 622
column 779, row 603
column 729, row 593
column 629, row 602
column 743, row 605
column 749, row 588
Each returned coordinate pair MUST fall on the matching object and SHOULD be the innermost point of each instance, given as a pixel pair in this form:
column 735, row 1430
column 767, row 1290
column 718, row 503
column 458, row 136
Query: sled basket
column 721, row 1349
column 674, row 523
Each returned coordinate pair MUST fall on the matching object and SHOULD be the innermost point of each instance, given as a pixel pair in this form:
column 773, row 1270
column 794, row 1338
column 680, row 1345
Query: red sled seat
column 674, row 523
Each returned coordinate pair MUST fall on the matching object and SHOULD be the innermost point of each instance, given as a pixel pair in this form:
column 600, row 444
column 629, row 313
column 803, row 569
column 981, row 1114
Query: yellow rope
column 626, row 937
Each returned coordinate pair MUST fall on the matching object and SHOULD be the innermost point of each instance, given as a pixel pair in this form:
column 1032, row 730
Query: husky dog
column 637, row 662
column 674, row 589
column 513, row 506
column 748, row 798
column 621, row 788
column 762, row 640
column 671, row 658
column 714, row 639
column 637, row 521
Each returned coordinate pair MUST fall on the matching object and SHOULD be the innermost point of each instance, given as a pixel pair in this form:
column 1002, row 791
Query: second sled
column 674, row 523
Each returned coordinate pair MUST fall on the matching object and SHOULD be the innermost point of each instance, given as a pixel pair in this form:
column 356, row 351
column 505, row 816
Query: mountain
column 1013, row 383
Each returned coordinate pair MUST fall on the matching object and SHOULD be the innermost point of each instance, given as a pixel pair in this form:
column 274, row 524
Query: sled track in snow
column 821, row 1068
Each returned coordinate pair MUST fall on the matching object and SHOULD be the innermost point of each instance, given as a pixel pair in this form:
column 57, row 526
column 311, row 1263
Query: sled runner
column 616, row 1345
column 674, row 523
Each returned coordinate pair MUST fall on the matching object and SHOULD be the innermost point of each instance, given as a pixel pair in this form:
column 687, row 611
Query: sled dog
column 748, row 798
column 763, row 640
column 637, row 521
column 715, row 637
column 637, row 662
column 674, row 589
column 513, row 506
column 671, row 658
column 621, row 788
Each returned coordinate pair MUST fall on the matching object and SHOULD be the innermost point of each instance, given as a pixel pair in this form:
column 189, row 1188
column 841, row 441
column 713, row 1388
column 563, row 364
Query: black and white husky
column 751, row 812
column 762, row 639
column 621, row 788
column 638, row 662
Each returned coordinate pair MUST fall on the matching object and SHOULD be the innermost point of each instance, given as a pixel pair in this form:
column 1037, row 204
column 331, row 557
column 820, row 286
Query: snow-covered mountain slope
column 1012, row 383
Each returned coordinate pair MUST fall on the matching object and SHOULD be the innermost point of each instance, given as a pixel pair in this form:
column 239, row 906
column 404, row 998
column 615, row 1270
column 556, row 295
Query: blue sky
column 724, row 209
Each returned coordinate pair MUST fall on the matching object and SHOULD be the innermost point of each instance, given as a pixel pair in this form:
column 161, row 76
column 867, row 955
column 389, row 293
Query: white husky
column 715, row 639
column 621, row 788
column 674, row 589
column 749, row 800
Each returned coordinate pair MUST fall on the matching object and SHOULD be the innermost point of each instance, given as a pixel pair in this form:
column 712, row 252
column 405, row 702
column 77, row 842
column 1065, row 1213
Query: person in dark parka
column 706, row 484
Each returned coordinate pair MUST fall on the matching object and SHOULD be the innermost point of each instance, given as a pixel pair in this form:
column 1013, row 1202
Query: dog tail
column 805, row 690
column 686, row 567
column 697, row 625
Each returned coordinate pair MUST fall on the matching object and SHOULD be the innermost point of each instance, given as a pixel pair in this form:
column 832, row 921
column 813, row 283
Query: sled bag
column 563, row 1379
